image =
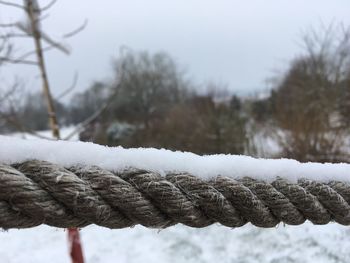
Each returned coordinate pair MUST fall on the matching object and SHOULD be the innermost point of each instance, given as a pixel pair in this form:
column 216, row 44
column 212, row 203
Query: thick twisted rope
column 37, row 192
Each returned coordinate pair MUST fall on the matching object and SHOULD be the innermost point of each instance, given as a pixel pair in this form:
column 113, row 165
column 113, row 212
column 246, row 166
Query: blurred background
column 261, row 78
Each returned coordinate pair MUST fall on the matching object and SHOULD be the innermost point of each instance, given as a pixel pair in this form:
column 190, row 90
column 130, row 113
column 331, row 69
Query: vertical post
column 76, row 252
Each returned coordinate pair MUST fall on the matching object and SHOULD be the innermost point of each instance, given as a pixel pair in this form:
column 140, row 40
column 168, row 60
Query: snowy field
column 284, row 244
column 64, row 132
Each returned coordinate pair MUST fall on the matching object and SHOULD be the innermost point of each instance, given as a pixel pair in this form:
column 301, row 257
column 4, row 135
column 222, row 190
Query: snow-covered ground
column 284, row 244
column 64, row 132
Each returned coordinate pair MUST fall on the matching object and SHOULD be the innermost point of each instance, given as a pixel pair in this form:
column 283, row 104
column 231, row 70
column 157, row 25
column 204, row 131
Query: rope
column 37, row 192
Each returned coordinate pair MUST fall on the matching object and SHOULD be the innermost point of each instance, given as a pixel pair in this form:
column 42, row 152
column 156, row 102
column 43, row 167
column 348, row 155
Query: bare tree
column 148, row 85
column 31, row 28
column 308, row 98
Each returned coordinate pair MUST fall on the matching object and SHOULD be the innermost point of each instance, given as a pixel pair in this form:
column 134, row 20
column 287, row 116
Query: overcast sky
column 240, row 43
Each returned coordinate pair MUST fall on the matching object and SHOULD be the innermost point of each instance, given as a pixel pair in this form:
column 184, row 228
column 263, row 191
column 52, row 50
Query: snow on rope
column 74, row 184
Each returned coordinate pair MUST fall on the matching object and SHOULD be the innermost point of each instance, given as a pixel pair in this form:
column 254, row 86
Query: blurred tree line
column 151, row 103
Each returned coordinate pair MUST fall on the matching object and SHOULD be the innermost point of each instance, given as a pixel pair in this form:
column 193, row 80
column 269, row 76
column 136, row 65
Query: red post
column 76, row 252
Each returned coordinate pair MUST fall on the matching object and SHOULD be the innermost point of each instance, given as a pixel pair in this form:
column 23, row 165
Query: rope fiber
column 37, row 192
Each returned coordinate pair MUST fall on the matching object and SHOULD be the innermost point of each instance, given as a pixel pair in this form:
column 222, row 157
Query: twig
column 33, row 52
column 12, row 4
column 7, row 36
column 17, row 61
column 9, row 25
column 17, row 124
column 48, row 6
column 9, row 93
column 94, row 116
column 81, row 126
column 72, row 87
column 42, row 35
column 24, row 129
column 77, row 30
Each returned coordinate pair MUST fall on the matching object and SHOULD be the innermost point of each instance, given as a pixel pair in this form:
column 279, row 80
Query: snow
column 67, row 154
column 248, row 244
column 64, row 132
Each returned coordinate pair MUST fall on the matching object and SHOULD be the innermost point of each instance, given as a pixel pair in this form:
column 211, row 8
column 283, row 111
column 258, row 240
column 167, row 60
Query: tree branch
column 12, row 4
column 18, row 61
column 12, row 119
column 15, row 123
column 33, row 52
column 72, row 87
column 12, row 35
column 81, row 126
column 9, row 25
column 43, row 36
column 77, row 30
column 48, row 6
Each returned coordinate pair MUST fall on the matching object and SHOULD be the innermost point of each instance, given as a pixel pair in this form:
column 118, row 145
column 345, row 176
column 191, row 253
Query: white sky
column 240, row 43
